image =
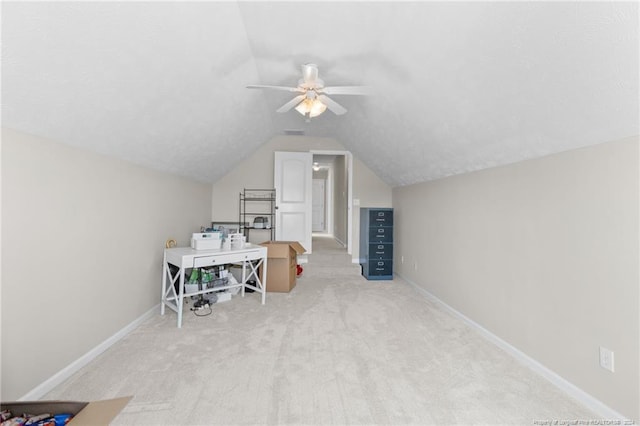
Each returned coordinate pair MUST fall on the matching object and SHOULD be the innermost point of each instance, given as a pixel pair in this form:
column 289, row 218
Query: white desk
column 186, row 257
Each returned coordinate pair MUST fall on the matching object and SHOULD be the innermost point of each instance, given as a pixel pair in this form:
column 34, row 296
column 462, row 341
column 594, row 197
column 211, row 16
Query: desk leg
column 165, row 271
column 261, row 284
column 264, row 279
column 180, row 301
column 244, row 276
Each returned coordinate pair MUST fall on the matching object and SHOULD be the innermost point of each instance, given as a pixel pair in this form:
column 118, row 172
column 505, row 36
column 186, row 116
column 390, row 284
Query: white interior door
column 318, row 206
column 292, row 181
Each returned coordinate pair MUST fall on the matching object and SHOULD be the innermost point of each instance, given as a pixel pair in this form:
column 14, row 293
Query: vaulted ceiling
column 458, row 86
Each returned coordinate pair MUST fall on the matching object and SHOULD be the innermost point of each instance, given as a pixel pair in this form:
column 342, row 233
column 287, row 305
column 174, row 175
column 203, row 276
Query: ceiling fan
column 313, row 100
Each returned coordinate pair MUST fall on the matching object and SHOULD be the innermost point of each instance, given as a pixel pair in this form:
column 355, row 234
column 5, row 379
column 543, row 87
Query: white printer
column 206, row 240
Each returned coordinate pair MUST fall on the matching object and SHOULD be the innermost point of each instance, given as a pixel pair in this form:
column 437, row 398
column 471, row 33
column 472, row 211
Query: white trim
column 349, row 158
column 62, row 375
column 590, row 402
column 329, row 200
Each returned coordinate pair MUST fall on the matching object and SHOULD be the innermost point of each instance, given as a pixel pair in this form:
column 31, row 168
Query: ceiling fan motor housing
column 310, row 73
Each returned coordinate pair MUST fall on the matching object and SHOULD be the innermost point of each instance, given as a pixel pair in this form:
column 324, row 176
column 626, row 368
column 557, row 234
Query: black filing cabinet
column 376, row 243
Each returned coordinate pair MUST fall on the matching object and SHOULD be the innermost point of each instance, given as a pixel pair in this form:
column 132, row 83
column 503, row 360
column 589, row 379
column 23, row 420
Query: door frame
column 349, row 162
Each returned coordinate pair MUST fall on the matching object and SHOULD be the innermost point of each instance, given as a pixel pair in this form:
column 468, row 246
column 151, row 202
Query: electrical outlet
column 415, row 265
column 402, row 259
column 606, row 359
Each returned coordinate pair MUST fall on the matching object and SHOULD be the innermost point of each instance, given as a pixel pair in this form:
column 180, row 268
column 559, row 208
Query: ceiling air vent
column 292, row 132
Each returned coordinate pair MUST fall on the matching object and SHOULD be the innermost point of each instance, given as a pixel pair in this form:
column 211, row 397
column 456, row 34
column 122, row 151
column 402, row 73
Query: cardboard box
column 96, row 413
column 282, row 259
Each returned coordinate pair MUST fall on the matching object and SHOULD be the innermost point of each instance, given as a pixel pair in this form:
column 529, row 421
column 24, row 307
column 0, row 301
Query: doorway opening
column 332, row 196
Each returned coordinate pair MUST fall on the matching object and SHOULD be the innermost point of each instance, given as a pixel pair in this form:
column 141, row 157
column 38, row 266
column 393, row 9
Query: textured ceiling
column 458, row 86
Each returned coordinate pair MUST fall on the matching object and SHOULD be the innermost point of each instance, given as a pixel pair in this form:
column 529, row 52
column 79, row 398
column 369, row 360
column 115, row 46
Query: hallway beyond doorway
column 327, row 243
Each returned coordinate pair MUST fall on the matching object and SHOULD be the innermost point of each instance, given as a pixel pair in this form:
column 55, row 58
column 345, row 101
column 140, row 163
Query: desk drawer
column 204, row 261
column 223, row 259
column 381, row 251
column 380, row 235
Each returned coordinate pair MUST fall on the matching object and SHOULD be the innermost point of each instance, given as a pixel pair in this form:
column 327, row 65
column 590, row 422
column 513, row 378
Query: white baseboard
column 62, row 375
column 590, row 402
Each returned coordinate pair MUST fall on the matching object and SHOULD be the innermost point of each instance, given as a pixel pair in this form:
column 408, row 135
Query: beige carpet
column 337, row 350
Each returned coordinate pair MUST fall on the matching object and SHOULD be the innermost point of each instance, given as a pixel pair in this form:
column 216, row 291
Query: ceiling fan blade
column 293, row 102
column 262, row 86
column 335, row 107
column 347, row 90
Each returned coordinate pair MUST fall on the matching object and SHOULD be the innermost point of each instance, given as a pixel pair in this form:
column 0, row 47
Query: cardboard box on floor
column 282, row 259
column 96, row 413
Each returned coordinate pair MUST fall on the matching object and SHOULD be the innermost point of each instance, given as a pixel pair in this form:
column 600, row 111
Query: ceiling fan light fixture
column 311, row 107
column 317, row 108
column 304, row 107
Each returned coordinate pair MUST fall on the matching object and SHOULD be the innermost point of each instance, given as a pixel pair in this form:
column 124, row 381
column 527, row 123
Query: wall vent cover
column 298, row 132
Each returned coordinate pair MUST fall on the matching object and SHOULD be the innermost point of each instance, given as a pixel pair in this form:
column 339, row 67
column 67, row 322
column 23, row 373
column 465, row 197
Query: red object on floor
column 299, row 270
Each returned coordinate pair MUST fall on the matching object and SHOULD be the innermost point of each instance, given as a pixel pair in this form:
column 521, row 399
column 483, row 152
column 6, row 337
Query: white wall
column 257, row 172
column 82, row 239
column 542, row 253
column 322, row 175
column 372, row 192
